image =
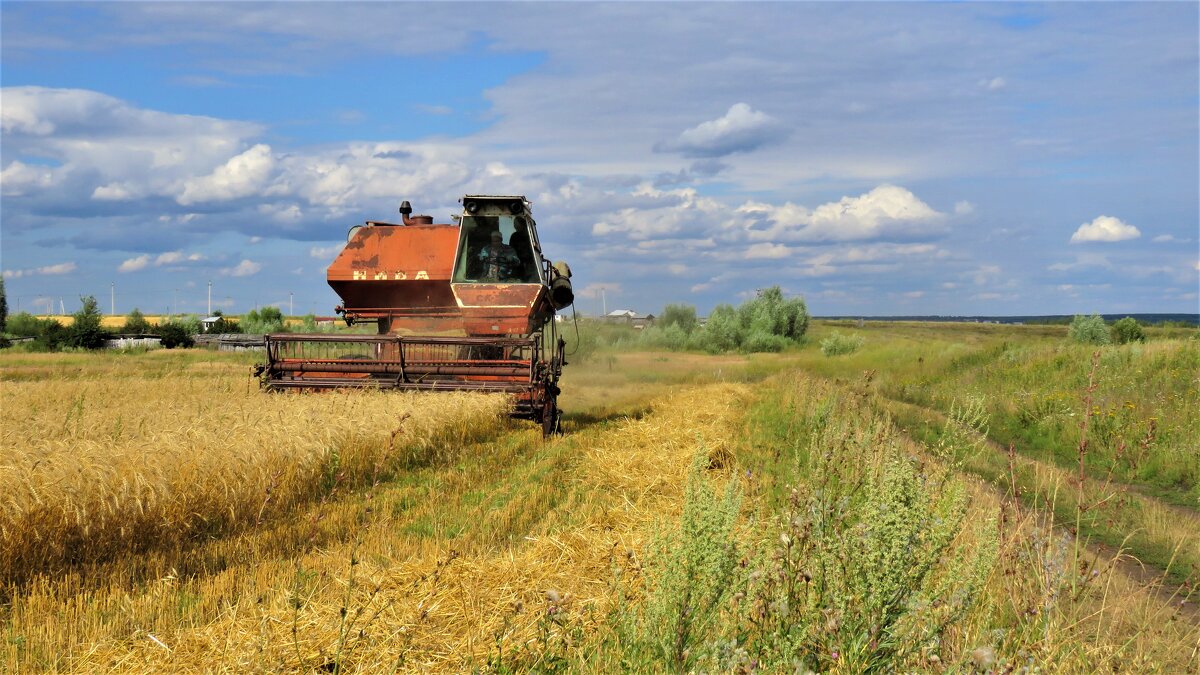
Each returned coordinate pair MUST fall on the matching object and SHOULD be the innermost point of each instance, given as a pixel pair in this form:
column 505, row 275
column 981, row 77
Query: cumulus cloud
column 176, row 257
column 993, row 84
column 134, row 264
column 1105, row 228
column 19, row 178
column 741, row 129
column 48, row 270
column 120, row 150
column 887, row 212
column 241, row 176
column 765, row 249
column 141, row 262
column 654, row 213
column 244, row 268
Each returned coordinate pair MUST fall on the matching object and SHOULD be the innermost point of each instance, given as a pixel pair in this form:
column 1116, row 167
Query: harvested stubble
column 413, row 603
column 97, row 468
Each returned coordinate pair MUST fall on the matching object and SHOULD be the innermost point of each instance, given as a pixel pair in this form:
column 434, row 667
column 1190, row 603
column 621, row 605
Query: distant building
column 630, row 317
column 132, row 341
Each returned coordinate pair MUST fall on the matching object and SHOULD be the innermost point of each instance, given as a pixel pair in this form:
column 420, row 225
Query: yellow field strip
column 411, row 602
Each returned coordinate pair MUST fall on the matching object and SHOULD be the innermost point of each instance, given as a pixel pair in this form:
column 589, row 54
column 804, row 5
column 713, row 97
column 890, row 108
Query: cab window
column 496, row 249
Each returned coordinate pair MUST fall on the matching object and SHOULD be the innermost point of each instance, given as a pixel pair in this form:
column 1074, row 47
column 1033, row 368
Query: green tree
column 175, row 335
column 3, row 306
column 772, row 314
column 1127, row 330
column 723, row 332
column 266, row 320
column 24, row 324
column 85, row 331
column 683, row 316
column 135, row 323
column 1089, row 330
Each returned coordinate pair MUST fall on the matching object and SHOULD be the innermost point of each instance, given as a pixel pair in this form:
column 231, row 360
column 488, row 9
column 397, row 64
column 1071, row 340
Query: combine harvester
column 467, row 306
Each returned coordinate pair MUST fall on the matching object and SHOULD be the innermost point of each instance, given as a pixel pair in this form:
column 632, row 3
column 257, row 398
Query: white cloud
column 325, row 252
column 242, row 176
column 169, row 258
column 766, row 249
column 993, row 84
column 175, row 257
column 113, row 192
column 119, row 150
column 134, row 264
column 963, row 208
column 661, row 213
column 19, row 178
column 741, row 129
column 887, row 211
column 1105, row 228
column 1083, row 261
column 48, row 270
column 986, row 274
column 243, row 269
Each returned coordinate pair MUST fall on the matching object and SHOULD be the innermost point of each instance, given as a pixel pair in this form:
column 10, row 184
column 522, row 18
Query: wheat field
column 106, row 464
column 165, row 515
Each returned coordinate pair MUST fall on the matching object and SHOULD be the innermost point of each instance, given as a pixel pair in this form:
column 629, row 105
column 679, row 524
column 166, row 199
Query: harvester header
column 462, row 305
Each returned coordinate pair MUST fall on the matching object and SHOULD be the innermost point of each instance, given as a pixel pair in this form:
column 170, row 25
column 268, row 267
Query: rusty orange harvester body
column 464, row 305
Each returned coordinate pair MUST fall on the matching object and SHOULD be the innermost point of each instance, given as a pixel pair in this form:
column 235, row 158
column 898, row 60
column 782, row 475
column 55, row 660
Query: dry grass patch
column 98, row 467
column 523, row 571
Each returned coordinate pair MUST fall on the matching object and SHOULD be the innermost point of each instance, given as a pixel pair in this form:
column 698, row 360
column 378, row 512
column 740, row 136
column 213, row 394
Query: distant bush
column 24, row 324
column 837, row 344
column 1089, row 330
column 48, row 334
column 1127, row 330
column 266, row 320
column 174, row 335
column 768, row 323
column 85, row 331
column 683, row 316
column 136, row 323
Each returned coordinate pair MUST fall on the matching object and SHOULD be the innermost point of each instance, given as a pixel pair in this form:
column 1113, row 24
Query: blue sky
column 875, row 158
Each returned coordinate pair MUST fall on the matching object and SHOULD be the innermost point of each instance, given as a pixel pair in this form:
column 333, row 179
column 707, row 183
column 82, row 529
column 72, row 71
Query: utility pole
column 112, row 298
column 175, row 304
column 210, row 297
column 290, row 312
column 604, row 299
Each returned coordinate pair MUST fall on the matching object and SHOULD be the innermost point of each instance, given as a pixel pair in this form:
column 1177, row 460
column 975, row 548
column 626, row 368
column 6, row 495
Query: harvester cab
column 468, row 305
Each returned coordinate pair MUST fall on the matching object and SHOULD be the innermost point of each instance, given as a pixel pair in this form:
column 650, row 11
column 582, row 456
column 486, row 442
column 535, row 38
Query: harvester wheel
column 551, row 418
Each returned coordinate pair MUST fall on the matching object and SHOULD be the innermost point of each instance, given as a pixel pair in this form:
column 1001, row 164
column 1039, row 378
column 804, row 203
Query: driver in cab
column 498, row 259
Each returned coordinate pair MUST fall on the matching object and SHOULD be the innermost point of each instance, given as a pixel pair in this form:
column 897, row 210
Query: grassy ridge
column 1144, row 412
column 856, row 550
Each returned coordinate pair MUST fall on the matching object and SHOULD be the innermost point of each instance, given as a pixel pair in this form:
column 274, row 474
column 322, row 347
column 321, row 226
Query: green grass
column 1145, row 410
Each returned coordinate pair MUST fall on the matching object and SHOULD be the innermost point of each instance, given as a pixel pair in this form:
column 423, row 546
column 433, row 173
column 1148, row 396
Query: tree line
column 86, row 330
